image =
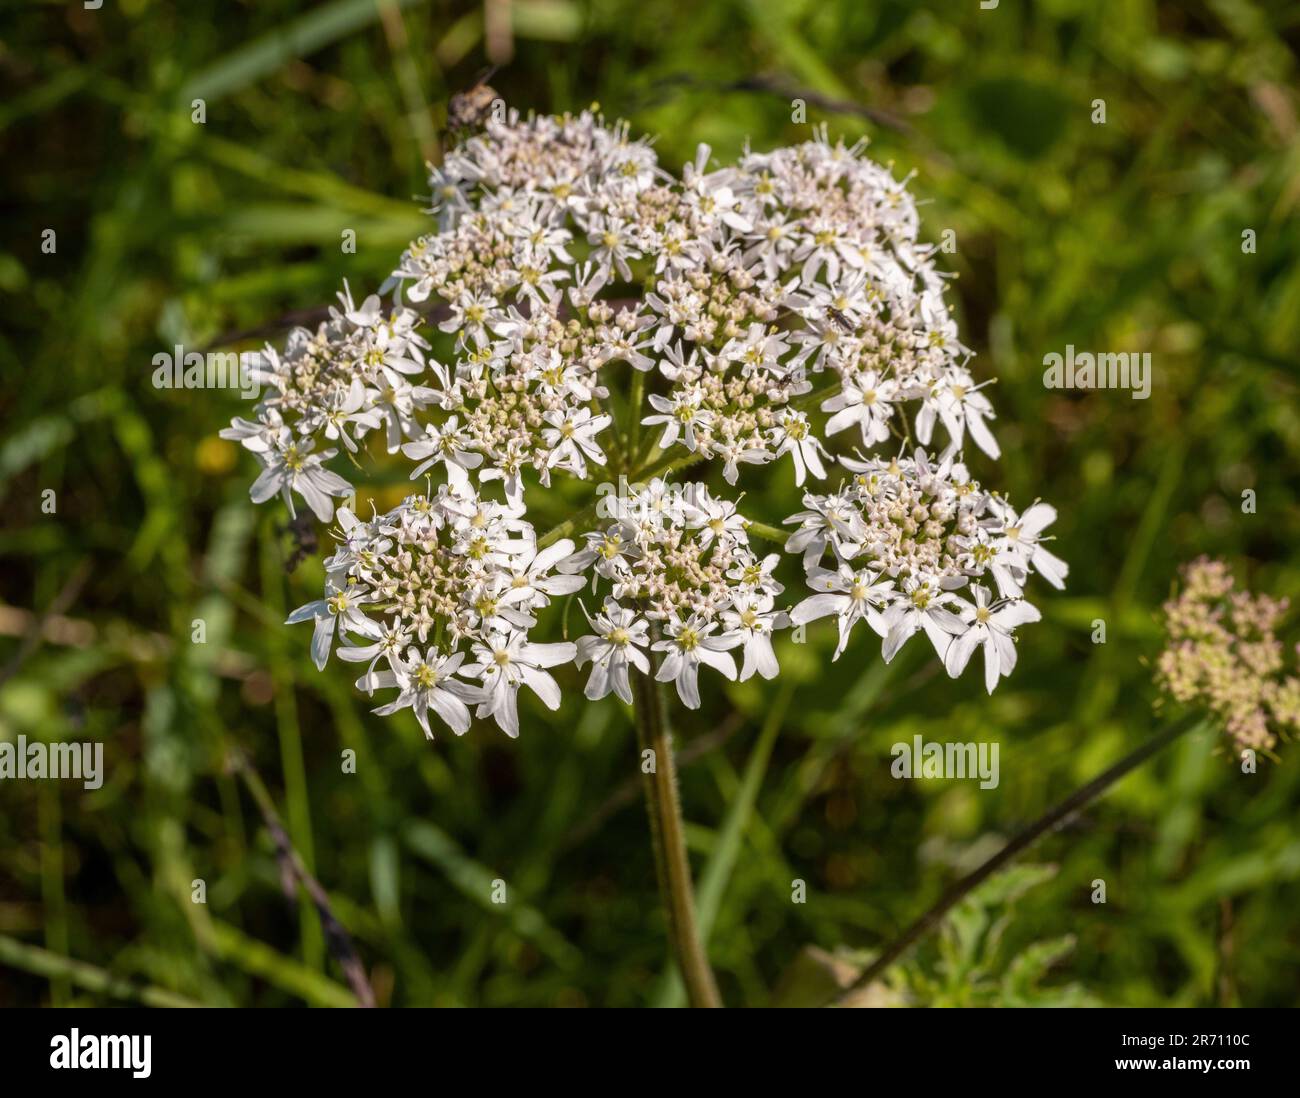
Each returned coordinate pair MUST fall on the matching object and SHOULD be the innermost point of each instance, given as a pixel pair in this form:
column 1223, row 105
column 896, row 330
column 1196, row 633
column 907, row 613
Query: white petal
column 941, row 638
column 549, row 655
column 598, row 685
column 959, row 652
column 719, row 661
column 317, row 609
column 991, row 662
column 688, row 687
column 817, row 606
column 1051, row 568
column 899, row 634
column 321, row 640
column 764, row 656
column 543, row 686
column 982, row 435
column 1037, row 518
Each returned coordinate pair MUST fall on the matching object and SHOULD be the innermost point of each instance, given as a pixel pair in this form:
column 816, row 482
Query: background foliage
column 1122, row 236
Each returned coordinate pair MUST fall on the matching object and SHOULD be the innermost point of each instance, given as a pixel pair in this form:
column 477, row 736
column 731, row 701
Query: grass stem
column 1026, row 838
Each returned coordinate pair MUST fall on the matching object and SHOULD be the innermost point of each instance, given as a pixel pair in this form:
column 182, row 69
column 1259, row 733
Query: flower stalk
column 664, row 808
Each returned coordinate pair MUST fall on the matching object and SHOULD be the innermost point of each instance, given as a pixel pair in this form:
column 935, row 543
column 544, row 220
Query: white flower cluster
column 799, row 262
column 681, row 579
column 569, row 278
column 903, row 539
column 426, row 584
column 351, row 376
column 795, row 263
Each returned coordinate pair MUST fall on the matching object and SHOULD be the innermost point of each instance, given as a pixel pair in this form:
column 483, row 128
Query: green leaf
column 298, row 38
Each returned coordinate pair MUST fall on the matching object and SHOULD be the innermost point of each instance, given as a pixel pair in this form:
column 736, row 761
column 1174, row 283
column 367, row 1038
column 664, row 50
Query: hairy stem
column 633, row 433
column 664, row 808
column 1023, row 841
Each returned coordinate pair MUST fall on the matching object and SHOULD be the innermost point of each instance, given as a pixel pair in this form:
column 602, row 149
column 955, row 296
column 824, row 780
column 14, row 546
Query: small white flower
column 713, row 518
column 292, row 467
column 958, row 402
column 389, row 642
column 620, row 635
column 396, row 405
column 337, row 606
column 990, row 626
column 572, row 439
column 754, row 621
column 688, row 645
column 920, row 605
column 756, row 575
column 469, row 313
column 609, row 552
column 531, row 583
column 852, row 596
column 1021, row 541
column 793, row 436
column 448, row 444
column 865, row 400
column 426, row 683
column 736, row 453
column 256, row 437
column 613, row 248
column 493, row 606
column 833, row 520
column 344, row 408
column 506, row 661
column 682, row 416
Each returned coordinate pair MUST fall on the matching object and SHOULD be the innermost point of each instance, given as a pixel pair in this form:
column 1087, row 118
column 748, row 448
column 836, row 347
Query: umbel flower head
column 678, row 562
column 576, row 310
column 1223, row 653
column 414, row 592
column 903, row 548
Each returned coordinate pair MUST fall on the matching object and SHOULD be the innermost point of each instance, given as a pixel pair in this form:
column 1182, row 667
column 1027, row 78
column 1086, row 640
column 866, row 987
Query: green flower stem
column 665, row 466
column 583, row 519
column 634, row 414
column 1022, row 842
column 768, row 533
column 663, row 806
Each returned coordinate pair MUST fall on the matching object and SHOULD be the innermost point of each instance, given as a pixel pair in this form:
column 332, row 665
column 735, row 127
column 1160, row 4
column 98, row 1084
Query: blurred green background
column 1125, row 235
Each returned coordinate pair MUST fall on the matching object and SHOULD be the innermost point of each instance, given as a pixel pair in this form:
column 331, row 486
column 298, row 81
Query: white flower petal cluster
column 360, row 371
column 809, row 264
column 781, row 307
column 412, row 593
column 564, row 252
column 899, row 545
column 679, row 578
